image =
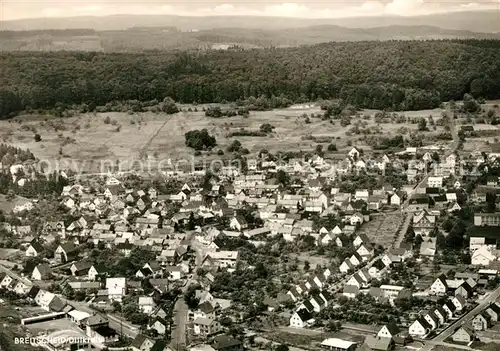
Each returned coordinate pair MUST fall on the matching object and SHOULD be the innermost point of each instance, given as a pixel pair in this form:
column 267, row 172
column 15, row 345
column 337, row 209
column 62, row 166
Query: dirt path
column 142, row 151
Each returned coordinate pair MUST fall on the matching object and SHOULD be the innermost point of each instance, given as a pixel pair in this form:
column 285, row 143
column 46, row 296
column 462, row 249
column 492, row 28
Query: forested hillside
column 383, row 75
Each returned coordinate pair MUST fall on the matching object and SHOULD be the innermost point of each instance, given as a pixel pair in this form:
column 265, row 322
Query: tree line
column 393, row 75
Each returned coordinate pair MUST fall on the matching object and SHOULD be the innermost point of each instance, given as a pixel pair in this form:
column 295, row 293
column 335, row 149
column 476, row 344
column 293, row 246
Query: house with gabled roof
column 66, row 252
column 301, row 318
column 350, row 291
column 389, row 330
column 80, row 268
column 360, row 239
column 96, row 270
column 159, row 324
column 464, row 335
column 356, row 280
column 418, row 202
column 449, row 308
column 440, row 286
column 465, row 290
column 419, row 328
column 459, row 302
column 41, row 272
column 342, row 240
column 441, row 314
column 377, row 343
column 346, row 266
column 34, row 249
column 318, row 302
column 356, row 259
column 238, row 223
column 431, row 318
column 294, row 294
column 366, row 251
column 494, row 311
column 481, row 321
column 423, row 223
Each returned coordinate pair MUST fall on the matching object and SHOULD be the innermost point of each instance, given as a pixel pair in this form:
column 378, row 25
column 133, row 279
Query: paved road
column 465, row 319
column 181, row 310
column 180, row 321
column 423, row 184
column 114, row 322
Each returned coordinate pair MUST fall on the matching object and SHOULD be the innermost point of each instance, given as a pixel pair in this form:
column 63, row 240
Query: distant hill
column 171, row 38
column 475, row 21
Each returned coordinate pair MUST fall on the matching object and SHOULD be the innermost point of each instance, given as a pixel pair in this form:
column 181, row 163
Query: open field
column 8, row 205
column 381, row 228
column 89, row 139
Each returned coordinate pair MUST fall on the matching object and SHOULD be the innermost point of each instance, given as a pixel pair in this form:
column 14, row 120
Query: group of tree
column 396, row 75
column 199, row 139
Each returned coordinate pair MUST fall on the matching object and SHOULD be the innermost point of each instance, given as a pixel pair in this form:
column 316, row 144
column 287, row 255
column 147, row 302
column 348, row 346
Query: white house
column 435, row 182
column 354, row 153
column 301, row 319
column 419, row 328
column 117, row 288
column 482, row 256
column 439, row 287
column 146, row 304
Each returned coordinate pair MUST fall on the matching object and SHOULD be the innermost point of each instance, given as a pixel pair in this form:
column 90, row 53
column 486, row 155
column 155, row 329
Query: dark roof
column 116, row 189
column 100, row 268
column 495, row 308
column 145, row 271
column 206, row 307
column 138, row 341
column 424, row 323
column 486, row 232
column 450, row 305
column 440, row 198
column 82, row 265
column 432, row 190
column 304, row 314
column 222, row 342
column 69, row 247
column 379, row 343
column 37, row 246
column 308, row 305
column 467, row 287
column 33, row 292
column 419, row 199
column 96, row 319
column 57, row 305
column 44, row 269
column 125, row 246
column 159, row 345
column 379, row 264
column 105, row 331
column 393, row 328
column 157, row 319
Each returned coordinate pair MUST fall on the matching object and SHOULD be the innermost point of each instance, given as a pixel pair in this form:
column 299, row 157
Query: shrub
column 235, row 146
column 332, row 147
column 38, row 138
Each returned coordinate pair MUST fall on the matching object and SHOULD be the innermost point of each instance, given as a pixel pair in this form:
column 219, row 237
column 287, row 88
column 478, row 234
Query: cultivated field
column 126, row 137
column 382, row 228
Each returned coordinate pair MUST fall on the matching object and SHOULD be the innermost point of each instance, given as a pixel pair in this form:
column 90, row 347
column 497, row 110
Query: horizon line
column 451, row 11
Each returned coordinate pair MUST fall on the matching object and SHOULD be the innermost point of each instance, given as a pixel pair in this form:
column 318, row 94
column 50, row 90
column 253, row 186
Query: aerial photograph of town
column 230, row 175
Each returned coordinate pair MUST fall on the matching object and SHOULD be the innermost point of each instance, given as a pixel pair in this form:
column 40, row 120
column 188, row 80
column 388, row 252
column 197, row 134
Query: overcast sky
column 17, row 9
